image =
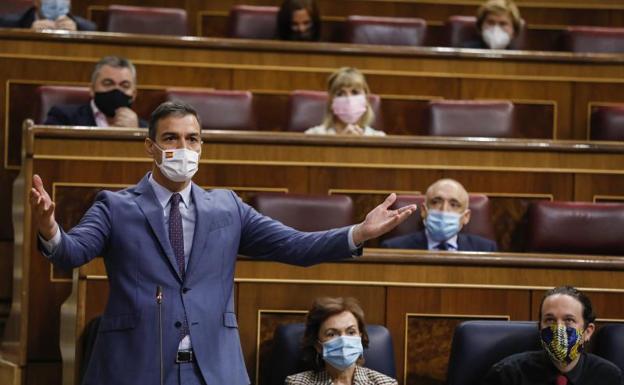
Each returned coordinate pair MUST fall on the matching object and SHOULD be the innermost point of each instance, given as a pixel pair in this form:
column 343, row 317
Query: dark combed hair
column 588, row 311
column 284, row 18
column 176, row 108
column 322, row 309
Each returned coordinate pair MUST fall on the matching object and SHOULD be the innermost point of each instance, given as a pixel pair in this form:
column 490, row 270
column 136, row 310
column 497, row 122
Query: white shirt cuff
column 49, row 247
column 352, row 246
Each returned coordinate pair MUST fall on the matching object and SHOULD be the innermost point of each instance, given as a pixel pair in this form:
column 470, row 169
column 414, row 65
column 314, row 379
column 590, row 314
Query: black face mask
column 307, row 35
column 108, row 102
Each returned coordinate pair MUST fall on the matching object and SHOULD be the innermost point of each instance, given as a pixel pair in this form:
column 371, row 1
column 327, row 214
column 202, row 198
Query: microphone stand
column 159, row 299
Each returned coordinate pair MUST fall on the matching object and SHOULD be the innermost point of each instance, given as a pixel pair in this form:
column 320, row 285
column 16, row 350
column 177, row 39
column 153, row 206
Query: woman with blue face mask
column 333, row 345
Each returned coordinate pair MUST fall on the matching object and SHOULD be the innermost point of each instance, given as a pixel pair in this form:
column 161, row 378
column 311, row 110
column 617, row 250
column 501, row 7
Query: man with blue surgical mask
column 47, row 14
column 444, row 214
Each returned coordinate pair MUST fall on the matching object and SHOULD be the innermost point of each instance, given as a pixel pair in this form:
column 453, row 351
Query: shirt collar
column 164, row 195
column 433, row 245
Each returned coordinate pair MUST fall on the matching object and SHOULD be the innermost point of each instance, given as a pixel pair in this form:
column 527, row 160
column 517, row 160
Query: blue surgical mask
column 442, row 225
column 342, row 352
column 53, row 9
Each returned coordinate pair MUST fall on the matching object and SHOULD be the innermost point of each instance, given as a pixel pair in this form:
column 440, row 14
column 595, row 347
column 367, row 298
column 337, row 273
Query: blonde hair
column 500, row 6
column 347, row 77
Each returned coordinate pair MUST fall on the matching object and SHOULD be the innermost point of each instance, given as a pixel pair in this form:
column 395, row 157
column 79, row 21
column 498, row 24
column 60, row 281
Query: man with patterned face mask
column 47, row 14
column 444, row 214
column 169, row 233
column 113, row 90
column 566, row 326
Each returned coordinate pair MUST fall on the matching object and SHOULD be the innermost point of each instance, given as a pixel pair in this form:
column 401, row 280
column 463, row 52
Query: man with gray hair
column 112, row 89
column 444, row 214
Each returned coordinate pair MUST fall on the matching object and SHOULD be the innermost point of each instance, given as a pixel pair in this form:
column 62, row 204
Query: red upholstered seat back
column 148, row 20
column 607, row 123
column 470, row 118
column 461, row 29
column 480, row 216
column 576, row 228
column 253, row 22
column 307, row 109
column 594, row 39
column 218, row 109
column 385, row 30
column 14, row 6
column 50, row 96
column 306, row 212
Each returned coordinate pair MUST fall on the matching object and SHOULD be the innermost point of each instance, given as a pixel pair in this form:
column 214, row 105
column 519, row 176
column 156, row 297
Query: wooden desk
column 76, row 163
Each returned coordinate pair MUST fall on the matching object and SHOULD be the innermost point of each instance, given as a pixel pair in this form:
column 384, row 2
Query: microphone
column 159, row 299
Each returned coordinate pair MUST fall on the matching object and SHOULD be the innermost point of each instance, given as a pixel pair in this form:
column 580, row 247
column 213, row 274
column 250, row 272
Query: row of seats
column 260, row 22
column 233, row 110
column 554, row 227
column 476, row 346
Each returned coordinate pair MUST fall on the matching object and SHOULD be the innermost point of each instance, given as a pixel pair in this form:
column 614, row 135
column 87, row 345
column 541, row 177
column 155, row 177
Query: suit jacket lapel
column 153, row 212
column 202, row 226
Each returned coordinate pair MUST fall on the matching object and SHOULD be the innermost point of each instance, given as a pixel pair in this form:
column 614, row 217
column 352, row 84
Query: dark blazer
column 418, row 240
column 75, row 115
column 25, row 20
column 127, row 229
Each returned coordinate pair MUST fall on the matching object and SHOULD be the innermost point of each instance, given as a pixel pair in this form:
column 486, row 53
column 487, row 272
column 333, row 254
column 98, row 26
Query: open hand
column 380, row 220
column 43, row 209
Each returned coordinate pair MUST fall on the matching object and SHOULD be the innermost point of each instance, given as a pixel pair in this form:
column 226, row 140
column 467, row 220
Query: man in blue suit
column 168, row 232
column 444, row 213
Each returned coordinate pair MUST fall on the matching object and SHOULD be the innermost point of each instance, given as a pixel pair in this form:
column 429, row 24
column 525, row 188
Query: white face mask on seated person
column 495, row 37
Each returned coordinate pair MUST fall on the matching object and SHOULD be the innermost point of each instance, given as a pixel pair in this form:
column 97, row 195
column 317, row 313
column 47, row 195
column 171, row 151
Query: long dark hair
column 284, row 18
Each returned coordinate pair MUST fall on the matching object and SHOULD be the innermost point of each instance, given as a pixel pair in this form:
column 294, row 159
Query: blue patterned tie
column 176, row 235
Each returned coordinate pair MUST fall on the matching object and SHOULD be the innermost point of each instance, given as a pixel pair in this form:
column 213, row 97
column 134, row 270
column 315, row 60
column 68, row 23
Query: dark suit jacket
column 418, row 240
column 25, row 20
column 75, row 115
column 127, row 228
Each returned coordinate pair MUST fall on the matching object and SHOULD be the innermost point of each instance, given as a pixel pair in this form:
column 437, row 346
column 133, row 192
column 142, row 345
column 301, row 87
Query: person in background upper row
column 333, row 345
column 113, row 89
column 47, row 14
column 566, row 323
column 444, row 214
column 498, row 23
column 348, row 110
column 299, row 20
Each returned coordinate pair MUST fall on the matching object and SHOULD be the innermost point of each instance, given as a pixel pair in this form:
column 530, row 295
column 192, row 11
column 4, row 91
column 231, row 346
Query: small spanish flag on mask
column 169, row 154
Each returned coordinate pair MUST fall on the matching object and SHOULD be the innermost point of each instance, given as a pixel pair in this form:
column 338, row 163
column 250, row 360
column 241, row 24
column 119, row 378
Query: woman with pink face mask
column 348, row 109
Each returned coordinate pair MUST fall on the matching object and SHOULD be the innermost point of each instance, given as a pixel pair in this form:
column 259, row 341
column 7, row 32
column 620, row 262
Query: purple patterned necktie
column 176, row 235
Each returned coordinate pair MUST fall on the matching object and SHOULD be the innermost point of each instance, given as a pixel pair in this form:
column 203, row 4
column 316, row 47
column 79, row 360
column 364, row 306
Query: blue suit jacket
column 75, row 115
column 127, row 228
column 25, row 20
column 418, row 240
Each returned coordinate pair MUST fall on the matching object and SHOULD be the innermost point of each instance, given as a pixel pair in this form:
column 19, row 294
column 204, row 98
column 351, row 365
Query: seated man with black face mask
column 113, row 89
column 566, row 325
column 444, row 213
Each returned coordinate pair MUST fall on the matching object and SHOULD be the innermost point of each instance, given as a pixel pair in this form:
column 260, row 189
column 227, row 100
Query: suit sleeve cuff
column 50, row 246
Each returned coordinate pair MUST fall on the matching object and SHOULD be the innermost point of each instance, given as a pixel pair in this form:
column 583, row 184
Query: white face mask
column 178, row 165
column 496, row 38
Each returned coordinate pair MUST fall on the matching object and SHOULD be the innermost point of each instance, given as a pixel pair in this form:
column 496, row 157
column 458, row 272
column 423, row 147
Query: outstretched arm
column 380, row 220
